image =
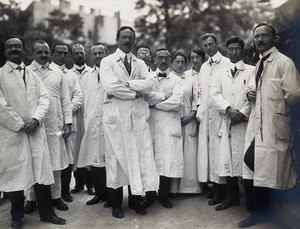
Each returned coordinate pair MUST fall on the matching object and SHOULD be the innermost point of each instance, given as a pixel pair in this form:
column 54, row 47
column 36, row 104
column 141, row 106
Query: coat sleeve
column 154, row 97
column 44, row 102
column 219, row 102
column 173, row 103
column 110, row 82
column 195, row 95
column 143, row 85
column 65, row 101
column 77, row 97
column 8, row 117
column 290, row 82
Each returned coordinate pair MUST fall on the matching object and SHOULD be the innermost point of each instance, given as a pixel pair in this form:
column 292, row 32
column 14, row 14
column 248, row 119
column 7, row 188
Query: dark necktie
column 127, row 65
column 80, row 70
column 211, row 62
column 19, row 68
column 233, row 71
column 261, row 68
column 162, row 75
column 98, row 77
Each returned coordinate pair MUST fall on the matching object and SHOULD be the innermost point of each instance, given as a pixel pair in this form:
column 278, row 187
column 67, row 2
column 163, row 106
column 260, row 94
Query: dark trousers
column 99, row 181
column 43, row 198
column 134, row 200
column 219, row 191
column 116, row 197
column 249, row 156
column 164, row 187
column 66, row 175
column 232, row 188
column 83, row 177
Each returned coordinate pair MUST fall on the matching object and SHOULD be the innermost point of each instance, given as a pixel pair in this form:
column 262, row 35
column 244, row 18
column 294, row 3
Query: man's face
column 126, row 40
column 79, row 56
column 263, row 38
column 196, row 60
column 14, row 50
column 144, row 54
column 234, row 52
column 162, row 60
column 98, row 53
column 178, row 64
column 209, row 46
column 41, row 53
column 60, row 54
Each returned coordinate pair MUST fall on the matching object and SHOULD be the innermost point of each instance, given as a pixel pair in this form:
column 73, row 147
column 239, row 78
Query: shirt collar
column 60, row 67
column 39, row 66
column 14, row 65
column 160, row 71
column 238, row 65
column 122, row 54
column 267, row 52
column 216, row 58
column 79, row 67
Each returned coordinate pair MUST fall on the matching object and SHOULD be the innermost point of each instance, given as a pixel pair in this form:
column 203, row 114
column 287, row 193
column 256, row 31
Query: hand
column 66, row 131
column 30, row 126
column 109, row 96
column 235, row 115
column 168, row 94
column 251, row 95
column 138, row 95
column 186, row 120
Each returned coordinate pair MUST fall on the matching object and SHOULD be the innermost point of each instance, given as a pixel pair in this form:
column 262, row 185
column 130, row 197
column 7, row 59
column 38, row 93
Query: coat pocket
column 175, row 130
column 282, row 127
column 274, row 89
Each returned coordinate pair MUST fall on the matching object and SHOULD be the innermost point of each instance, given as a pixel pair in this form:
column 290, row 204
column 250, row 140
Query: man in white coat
column 60, row 52
column 273, row 90
column 228, row 92
column 24, row 154
column 82, row 175
column 58, row 119
column 207, row 116
column 92, row 149
column 165, row 100
column 128, row 145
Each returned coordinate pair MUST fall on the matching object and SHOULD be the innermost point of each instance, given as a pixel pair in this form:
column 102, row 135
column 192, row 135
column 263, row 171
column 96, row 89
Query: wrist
column 227, row 110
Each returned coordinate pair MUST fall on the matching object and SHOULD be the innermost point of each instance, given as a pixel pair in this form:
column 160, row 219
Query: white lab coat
column 207, row 116
column 24, row 159
column 59, row 113
column 77, row 138
column 128, row 145
column 166, row 124
column 92, row 149
column 76, row 98
column 231, row 91
column 278, row 89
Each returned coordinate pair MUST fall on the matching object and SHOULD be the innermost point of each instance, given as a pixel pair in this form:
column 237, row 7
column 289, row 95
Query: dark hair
column 123, row 28
column 13, row 36
column 100, row 43
column 143, row 46
column 176, row 53
column 40, row 42
column 238, row 40
column 208, row 35
column 56, row 44
column 75, row 45
column 161, row 49
column 268, row 25
column 199, row 52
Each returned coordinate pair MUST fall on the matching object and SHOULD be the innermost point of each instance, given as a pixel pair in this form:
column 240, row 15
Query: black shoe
column 67, row 197
column 94, row 200
column 107, row 204
column 149, row 201
column 166, row 203
column 140, row 210
column 30, row 207
column 131, row 204
column 77, row 189
column 214, row 201
column 91, row 191
column 55, row 220
column 17, row 224
column 227, row 204
column 250, row 221
column 60, row 205
column 117, row 212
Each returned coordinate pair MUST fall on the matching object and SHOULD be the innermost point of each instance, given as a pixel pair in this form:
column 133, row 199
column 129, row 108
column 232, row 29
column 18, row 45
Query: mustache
column 127, row 43
column 261, row 43
column 14, row 52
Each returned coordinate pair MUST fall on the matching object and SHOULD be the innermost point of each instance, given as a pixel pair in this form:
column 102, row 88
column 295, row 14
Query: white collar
column 79, row 67
column 122, row 54
column 238, row 65
column 14, row 65
column 267, row 52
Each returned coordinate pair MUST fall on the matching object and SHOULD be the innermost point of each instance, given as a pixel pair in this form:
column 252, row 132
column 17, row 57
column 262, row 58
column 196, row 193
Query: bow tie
column 162, row 75
column 19, row 68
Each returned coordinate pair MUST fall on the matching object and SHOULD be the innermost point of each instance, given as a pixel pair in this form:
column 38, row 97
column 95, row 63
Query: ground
column 189, row 211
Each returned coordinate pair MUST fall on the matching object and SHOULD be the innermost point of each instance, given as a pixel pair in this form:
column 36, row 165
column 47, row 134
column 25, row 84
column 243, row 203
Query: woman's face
column 178, row 64
column 196, row 60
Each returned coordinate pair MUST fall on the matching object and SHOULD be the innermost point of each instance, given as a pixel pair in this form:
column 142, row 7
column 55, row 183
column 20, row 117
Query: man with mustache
column 128, row 145
column 24, row 102
column 59, row 54
column 92, row 149
column 165, row 100
column 82, row 175
column 273, row 90
column 58, row 119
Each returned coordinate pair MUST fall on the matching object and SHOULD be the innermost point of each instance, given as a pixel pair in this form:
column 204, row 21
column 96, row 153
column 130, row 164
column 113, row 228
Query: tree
column 179, row 23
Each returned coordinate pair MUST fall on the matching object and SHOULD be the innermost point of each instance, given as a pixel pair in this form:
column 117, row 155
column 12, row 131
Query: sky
column 108, row 7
